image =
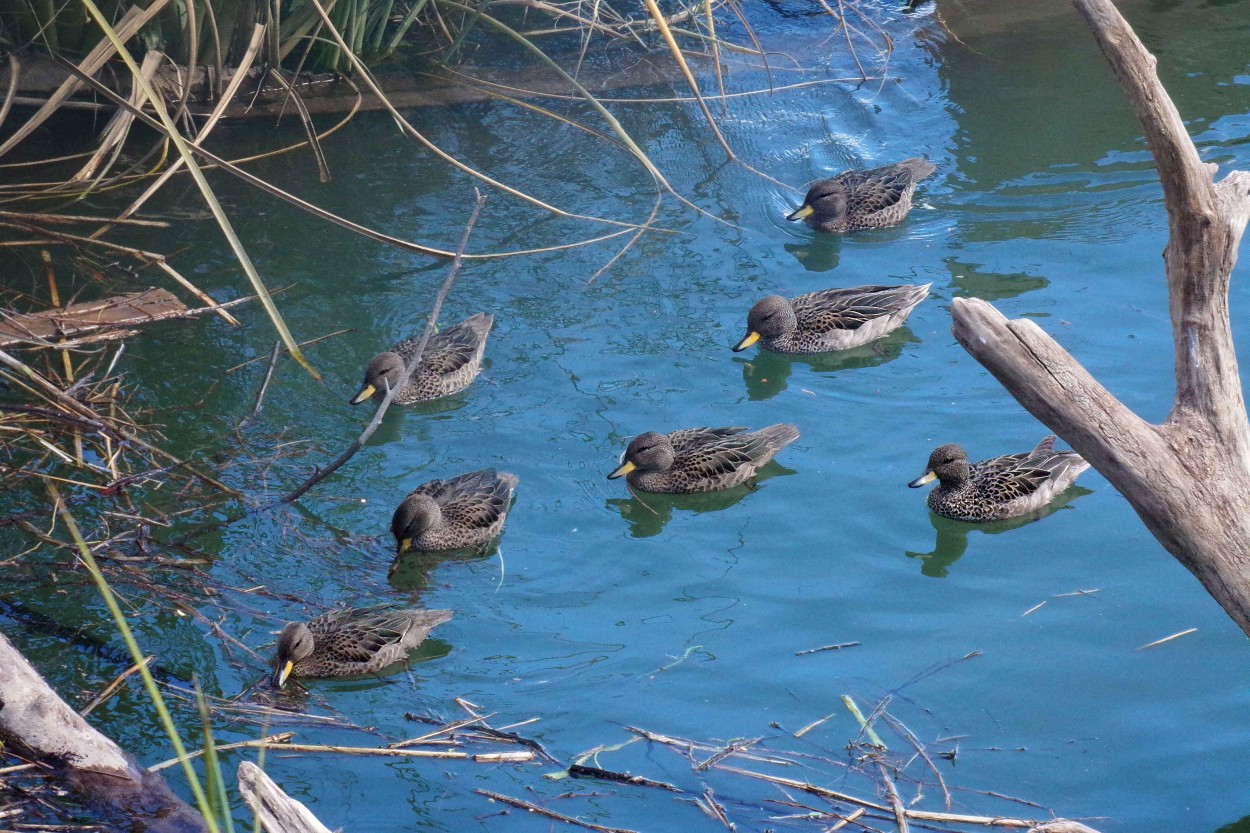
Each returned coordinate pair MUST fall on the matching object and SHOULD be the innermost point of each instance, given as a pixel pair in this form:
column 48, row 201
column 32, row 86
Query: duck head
column 384, row 372
column 646, row 452
column 295, row 643
column 948, row 463
column 416, row 515
column 771, row 317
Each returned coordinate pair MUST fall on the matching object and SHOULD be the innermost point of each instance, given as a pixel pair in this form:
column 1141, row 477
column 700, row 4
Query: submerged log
column 1189, row 477
column 78, row 319
column 37, row 723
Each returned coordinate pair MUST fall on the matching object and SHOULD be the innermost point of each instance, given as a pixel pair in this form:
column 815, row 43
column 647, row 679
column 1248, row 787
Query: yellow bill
column 622, row 470
column 927, row 477
column 405, row 545
column 803, row 213
column 365, row 392
column 285, row 673
column 747, row 341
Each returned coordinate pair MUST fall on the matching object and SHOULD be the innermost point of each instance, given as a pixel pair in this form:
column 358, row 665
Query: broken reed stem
column 278, row 743
column 322, row 474
column 551, row 814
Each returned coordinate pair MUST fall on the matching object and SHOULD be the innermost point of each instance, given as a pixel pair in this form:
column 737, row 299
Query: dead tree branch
column 1188, row 478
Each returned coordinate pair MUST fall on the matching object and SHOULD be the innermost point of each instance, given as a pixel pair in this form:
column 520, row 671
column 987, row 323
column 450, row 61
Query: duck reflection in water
column 647, row 513
column 952, row 535
column 767, row 374
column 412, row 571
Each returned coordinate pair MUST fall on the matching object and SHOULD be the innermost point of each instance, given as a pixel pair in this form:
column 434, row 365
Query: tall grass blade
column 149, row 682
column 219, row 214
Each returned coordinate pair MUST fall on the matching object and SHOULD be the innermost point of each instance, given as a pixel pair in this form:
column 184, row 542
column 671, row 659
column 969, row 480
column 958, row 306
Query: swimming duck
column 464, row 511
column 700, row 459
column 348, row 641
column 449, row 363
column 833, row 319
column 1002, row 487
column 872, row 198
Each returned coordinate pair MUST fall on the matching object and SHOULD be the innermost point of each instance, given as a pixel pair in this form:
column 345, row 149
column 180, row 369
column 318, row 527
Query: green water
column 684, row 617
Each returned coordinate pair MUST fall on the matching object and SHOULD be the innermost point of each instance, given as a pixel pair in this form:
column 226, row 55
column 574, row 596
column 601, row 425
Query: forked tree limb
column 1188, row 478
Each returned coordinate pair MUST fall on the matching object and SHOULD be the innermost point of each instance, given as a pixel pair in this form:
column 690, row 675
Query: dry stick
column 914, row 815
column 281, row 737
column 480, row 757
column 896, row 804
column 317, row 211
column 322, row 474
column 836, row 647
column 15, row 69
column 323, row 169
column 99, row 424
column 901, row 729
column 242, row 365
column 667, row 34
column 264, row 386
column 551, row 814
column 112, row 687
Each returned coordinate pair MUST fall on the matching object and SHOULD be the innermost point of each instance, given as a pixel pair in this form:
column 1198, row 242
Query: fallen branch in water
column 413, row 363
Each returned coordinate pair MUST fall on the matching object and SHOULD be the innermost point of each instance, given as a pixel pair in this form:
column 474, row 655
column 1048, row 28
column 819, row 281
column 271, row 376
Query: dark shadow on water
column 952, row 536
column 412, row 571
column 968, row 282
column 766, row 374
column 647, row 513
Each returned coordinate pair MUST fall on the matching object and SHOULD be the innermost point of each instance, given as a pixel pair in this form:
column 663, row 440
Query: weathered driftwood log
column 277, row 811
column 38, row 723
column 1188, row 478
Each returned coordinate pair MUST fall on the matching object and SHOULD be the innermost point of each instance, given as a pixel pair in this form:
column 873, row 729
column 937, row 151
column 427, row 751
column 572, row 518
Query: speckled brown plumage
column 833, row 319
column 449, row 364
column 464, row 511
column 349, row 641
column 862, row 199
column 700, row 459
column 1001, row 487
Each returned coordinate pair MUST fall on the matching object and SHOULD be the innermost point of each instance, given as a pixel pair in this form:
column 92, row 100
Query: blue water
column 684, row 616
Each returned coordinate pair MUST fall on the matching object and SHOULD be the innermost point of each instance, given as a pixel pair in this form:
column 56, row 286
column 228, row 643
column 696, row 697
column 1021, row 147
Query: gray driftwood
column 277, row 811
column 36, row 722
column 1189, row 477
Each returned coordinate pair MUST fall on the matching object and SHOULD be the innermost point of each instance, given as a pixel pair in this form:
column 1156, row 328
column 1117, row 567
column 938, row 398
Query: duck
column 1001, row 487
column 450, row 362
column 464, row 511
column 863, row 199
column 348, row 641
column 832, row 319
column 700, row 459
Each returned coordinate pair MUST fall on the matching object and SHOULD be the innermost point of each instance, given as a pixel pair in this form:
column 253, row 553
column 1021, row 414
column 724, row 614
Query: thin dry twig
column 359, row 443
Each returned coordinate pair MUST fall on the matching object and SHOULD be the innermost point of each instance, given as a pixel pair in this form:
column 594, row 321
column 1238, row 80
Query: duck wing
column 452, row 349
column 849, row 309
column 478, row 499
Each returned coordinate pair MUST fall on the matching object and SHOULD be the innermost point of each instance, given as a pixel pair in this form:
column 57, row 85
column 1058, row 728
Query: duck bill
column 622, row 470
column 803, row 213
column 747, row 341
column 365, row 392
column 927, row 477
column 404, row 546
column 284, row 673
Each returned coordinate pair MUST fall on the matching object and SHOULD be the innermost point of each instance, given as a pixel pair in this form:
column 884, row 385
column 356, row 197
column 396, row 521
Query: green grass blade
column 149, row 682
